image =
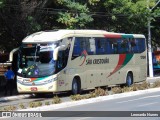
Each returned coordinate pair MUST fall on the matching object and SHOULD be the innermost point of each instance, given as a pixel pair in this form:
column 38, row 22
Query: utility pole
column 149, row 39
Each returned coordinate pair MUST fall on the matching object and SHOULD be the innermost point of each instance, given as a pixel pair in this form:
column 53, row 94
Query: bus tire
column 76, row 87
column 129, row 79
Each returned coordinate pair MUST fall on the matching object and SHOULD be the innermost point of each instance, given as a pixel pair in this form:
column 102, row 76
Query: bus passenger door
column 61, row 70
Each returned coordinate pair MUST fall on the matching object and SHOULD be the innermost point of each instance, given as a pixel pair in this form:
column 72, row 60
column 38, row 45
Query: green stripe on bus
column 127, row 36
column 39, row 79
column 128, row 58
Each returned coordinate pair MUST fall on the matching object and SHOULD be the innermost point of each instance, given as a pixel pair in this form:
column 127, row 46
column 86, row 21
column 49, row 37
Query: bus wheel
column 129, row 79
column 75, row 86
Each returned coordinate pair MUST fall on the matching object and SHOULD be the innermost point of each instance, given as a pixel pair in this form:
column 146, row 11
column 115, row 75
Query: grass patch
column 116, row 90
column 56, row 100
column 100, row 92
column 32, row 104
column 127, row 89
column 97, row 92
column 76, row 97
column 21, row 106
column 10, row 108
column 47, row 103
column 38, row 104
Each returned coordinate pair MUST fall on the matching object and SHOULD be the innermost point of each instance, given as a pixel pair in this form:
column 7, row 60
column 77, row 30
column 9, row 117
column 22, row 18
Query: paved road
column 146, row 102
column 150, row 102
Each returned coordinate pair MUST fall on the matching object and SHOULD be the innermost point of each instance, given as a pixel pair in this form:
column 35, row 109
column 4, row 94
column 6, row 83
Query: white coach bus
column 74, row 60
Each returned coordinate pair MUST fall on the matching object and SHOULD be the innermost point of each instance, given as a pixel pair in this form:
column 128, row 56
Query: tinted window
column 81, row 44
column 100, row 46
column 141, row 45
column 130, row 45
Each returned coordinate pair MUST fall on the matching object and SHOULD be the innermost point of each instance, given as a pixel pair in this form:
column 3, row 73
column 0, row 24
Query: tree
column 20, row 18
column 125, row 16
column 76, row 15
column 2, row 2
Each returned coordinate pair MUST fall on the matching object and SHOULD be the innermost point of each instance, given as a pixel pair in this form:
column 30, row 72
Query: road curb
column 91, row 100
column 9, row 98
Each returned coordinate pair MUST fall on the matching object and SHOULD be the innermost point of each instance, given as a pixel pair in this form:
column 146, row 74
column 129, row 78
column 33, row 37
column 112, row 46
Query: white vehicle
column 72, row 60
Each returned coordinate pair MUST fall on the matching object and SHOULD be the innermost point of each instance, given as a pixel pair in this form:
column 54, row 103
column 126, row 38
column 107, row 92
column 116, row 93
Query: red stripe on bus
column 32, row 79
column 112, row 36
column 122, row 58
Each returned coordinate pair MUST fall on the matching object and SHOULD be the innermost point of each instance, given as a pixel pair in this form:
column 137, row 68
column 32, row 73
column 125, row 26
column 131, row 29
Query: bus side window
column 141, row 45
column 124, row 47
column 108, row 47
column 91, row 47
column 113, row 46
column 76, row 49
column 132, row 45
column 101, row 46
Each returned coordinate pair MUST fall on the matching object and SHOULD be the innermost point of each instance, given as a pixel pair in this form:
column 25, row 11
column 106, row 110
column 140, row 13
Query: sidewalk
column 153, row 79
column 15, row 95
column 2, row 92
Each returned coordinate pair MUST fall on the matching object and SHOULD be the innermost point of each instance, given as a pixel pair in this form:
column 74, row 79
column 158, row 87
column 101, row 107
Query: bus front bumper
column 51, row 87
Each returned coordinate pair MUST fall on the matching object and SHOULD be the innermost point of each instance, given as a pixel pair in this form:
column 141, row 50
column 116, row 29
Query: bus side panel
column 75, row 70
column 141, row 63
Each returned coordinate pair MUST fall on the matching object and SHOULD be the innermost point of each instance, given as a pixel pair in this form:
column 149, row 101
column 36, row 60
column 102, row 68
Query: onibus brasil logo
column 83, row 55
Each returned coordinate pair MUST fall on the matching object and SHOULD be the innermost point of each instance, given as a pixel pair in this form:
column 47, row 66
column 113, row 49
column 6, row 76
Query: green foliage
column 156, row 13
column 67, row 19
column 125, row 16
column 2, row 3
column 76, row 15
column 34, row 26
column 93, row 2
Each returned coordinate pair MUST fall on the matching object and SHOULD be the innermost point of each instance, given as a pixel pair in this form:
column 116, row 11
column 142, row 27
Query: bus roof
column 50, row 36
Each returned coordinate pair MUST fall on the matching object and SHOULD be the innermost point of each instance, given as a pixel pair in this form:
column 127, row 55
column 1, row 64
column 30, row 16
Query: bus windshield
column 36, row 60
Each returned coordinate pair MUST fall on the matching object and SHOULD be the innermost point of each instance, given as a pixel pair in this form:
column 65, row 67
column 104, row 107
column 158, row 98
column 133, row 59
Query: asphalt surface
column 147, row 102
column 140, row 103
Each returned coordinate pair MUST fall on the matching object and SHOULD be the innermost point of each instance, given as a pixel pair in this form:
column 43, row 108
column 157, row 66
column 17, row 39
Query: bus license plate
column 34, row 89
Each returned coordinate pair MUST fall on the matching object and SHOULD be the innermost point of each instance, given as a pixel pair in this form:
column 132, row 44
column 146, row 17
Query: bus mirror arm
column 55, row 54
column 60, row 48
